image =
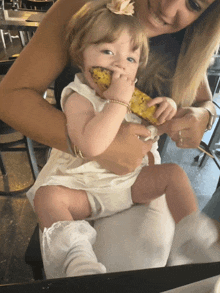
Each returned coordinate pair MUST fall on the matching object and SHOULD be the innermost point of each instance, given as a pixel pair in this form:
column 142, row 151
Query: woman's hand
column 126, row 152
column 166, row 110
column 187, row 127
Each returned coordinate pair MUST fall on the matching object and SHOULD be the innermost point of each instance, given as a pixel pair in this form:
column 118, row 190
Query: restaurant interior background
column 17, row 220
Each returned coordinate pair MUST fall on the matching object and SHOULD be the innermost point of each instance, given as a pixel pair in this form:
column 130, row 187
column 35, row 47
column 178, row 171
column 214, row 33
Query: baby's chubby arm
column 93, row 132
column 166, row 110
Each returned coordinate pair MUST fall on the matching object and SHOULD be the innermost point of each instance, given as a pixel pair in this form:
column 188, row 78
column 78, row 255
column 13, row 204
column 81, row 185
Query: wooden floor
column 17, row 225
column 17, row 219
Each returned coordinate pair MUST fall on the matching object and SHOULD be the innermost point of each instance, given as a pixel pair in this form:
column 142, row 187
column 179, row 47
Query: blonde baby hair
column 95, row 23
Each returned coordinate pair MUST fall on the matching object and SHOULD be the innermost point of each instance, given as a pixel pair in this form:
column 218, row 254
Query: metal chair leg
column 4, row 174
column 2, row 166
column 9, row 35
column 32, row 158
column 22, row 38
column 3, row 39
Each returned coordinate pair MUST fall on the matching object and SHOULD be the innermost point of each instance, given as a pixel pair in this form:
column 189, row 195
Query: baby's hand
column 121, row 88
column 166, row 110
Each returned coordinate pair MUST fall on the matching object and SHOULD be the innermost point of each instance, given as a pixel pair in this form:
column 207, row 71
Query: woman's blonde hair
column 200, row 42
column 180, row 76
column 95, row 23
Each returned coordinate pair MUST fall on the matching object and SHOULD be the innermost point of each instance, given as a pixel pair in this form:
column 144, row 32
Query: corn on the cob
column 138, row 102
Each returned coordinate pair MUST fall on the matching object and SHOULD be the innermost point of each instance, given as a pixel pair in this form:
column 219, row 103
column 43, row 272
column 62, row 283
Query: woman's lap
column 137, row 238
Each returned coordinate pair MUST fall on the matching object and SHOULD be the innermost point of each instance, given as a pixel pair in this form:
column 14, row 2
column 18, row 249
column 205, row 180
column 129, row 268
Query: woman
column 22, row 106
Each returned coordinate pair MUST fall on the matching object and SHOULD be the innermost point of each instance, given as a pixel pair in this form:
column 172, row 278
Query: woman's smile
column 156, row 23
column 155, row 19
column 168, row 16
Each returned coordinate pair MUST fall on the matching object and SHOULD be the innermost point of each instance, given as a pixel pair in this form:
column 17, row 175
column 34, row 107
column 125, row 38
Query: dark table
column 146, row 281
column 15, row 22
column 22, row 20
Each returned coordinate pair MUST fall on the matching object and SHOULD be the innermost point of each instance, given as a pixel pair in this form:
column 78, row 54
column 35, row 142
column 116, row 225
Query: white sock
column 195, row 241
column 67, row 250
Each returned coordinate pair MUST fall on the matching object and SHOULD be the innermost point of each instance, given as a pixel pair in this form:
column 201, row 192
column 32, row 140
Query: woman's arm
column 23, row 107
column 204, row 97
column 191, row 121
column 21, row 102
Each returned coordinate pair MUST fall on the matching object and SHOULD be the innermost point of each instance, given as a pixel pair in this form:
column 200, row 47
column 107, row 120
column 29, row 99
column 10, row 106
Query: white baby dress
column 108, row 193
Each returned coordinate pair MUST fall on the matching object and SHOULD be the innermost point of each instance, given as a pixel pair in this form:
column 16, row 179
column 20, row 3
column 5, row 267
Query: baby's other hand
column 166, row 110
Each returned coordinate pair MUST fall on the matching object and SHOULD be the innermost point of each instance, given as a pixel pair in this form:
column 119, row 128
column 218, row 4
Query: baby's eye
column 130, row 59
column 107, row 52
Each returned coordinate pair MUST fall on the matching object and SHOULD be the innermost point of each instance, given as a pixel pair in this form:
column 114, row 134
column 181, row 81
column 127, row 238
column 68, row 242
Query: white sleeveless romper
column 107, row 192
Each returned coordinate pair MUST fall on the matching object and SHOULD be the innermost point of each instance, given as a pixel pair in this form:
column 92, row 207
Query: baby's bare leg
column 66, row 242
column 169, row 179
column 59, row 203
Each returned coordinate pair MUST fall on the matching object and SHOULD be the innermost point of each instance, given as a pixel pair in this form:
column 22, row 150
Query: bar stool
column 14, row 145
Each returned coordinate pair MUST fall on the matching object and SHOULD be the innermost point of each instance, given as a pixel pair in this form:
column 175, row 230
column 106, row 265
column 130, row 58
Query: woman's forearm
column 37, row 119
column 204, row 99
column 41, row 61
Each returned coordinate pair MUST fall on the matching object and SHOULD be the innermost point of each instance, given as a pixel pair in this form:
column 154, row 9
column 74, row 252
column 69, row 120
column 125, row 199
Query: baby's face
column 117, row 56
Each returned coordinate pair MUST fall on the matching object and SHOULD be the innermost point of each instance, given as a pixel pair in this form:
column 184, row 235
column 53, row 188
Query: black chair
column 12, row 146
column 33, row 256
